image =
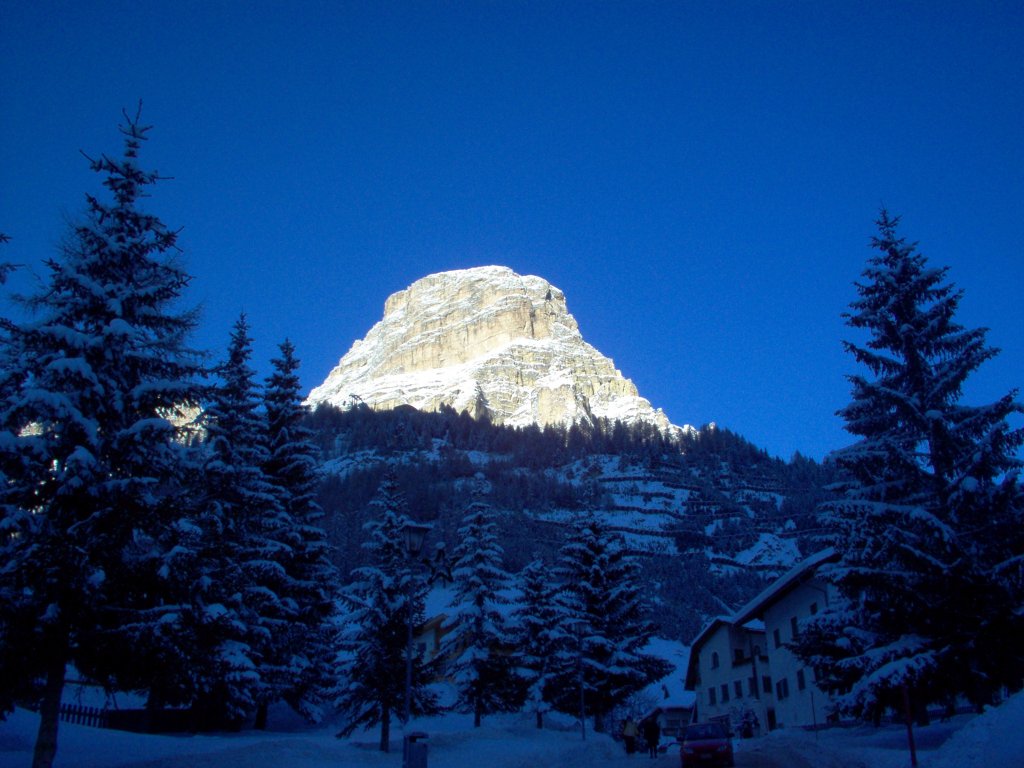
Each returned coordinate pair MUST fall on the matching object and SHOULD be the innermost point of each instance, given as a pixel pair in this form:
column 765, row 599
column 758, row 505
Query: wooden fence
column 134, row 720
column 78, row 714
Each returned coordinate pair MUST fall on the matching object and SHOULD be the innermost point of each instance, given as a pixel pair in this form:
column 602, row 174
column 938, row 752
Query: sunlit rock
column 490, row 342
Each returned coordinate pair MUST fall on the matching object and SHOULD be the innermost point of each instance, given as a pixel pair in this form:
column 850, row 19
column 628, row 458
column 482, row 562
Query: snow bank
column 995, row 738
column 992, row 740
column 502, row 742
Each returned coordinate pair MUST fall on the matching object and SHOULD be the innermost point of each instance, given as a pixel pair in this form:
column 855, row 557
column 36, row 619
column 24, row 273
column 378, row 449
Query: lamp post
column 413, row 536
column 578, row 627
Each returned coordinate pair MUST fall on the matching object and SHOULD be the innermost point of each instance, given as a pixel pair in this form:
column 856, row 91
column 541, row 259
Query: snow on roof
column 702, row 637
column 708, row 629
column 439, row 601
column 670, row 691
column 774, row 591
column 748, row 618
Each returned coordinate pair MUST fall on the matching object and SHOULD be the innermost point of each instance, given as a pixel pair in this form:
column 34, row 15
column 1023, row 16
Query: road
column 755, row 754
column 759, row 754
column 763, row 758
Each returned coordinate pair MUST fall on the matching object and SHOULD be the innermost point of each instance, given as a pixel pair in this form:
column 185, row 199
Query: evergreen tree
column 235, row 616
column 477, row 648
column 383, row 601
column 602, row 595
column 5, row 266
column 93, row 388
column 930, row 525
column 291, row 468
column 543, row 648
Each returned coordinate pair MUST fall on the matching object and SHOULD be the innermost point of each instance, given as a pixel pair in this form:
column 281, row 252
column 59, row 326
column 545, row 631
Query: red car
column 706, row 744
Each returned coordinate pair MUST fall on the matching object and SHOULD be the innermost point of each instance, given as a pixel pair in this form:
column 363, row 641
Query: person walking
column 651, row 732
column 629, row 735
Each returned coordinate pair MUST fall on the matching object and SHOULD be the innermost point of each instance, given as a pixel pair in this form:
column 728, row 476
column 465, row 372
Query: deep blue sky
column 701, row 179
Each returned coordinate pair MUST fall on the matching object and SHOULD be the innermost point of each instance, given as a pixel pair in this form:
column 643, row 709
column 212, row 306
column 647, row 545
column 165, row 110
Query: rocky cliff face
column 488, row 341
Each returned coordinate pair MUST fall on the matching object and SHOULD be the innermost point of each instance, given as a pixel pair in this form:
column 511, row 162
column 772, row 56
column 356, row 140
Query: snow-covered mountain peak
column 489, row 341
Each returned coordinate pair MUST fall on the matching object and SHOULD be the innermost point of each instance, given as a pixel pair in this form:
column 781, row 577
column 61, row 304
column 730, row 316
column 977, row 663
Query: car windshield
column 704, row 731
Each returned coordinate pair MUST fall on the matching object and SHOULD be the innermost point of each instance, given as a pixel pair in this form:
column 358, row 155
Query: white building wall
column 798, row 700
column 722, row 678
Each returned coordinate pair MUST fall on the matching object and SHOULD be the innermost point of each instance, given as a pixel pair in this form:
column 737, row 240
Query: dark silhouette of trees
column 94, row 389
column 929, row 528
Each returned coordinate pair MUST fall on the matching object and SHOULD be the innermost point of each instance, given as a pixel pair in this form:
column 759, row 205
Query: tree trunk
column 49, row 715
column 921, row 716
column 385, row 730
column 261, row 717
column 540, row 719
column 154, row 706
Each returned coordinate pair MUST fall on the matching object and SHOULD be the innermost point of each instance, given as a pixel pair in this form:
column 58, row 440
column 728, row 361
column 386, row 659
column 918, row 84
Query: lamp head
column 413, row 536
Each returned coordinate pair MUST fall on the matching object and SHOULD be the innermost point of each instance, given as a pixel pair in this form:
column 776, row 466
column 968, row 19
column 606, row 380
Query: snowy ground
column 992, row 740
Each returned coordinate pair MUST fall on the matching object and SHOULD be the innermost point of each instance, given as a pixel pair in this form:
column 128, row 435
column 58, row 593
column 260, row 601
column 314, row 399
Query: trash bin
column 414, row 751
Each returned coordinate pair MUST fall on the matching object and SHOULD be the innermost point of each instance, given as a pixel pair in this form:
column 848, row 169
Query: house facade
column 429, row 637
column 728, row 672
column 786, row 694
column 671, row 718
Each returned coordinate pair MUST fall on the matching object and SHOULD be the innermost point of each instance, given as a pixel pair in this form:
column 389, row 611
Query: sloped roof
column 702, row 637
column 783, row 585
column 706, row 632
column 749, row 616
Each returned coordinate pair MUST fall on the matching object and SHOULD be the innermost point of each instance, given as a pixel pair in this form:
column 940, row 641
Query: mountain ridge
column 490, row 342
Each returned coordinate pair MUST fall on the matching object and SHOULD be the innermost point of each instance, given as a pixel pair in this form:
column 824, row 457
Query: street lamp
column 578, row 627
column 413, row 536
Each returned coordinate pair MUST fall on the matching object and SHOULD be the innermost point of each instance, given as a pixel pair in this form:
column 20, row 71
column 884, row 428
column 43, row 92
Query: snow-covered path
column 758, row 754
column 502, row 742
column 993, row 740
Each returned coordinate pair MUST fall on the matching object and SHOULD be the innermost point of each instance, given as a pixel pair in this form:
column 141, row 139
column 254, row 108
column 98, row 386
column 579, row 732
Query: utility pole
column 413, row 536
column 909, row 714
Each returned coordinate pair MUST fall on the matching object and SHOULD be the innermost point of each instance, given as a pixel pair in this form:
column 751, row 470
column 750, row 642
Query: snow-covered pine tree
column 930, row 526
column 94, row 384
column 601, row 591
column 291, row 467
column 543, row 649
column 374, row 638
column 5, row 266
column 478, row 647
column 237, row 611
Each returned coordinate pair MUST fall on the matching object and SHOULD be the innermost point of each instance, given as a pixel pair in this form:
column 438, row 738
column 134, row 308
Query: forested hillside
column 713, row 515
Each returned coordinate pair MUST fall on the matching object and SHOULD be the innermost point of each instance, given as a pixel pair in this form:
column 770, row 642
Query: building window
column 766, row 683
column 777, row 637
column 714, row 660
column 738, row 655
column 725, row 692
column 814, row 608
column 737, row 686
column 782, row 689
column 752, row 685
column 711, row 696
column 801, row 683
column 794, row 628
